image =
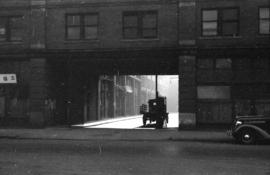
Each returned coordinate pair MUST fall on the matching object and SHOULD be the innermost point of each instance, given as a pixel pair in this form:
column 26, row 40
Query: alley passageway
column 131, row 122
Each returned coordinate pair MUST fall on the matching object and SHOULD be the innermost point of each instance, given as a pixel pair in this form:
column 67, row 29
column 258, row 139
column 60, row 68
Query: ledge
column 219, row 37
column 10, row 42
column 140, row 40
column 81, row 41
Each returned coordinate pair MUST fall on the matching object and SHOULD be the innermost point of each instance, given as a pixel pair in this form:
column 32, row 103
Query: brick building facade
column 59, row 49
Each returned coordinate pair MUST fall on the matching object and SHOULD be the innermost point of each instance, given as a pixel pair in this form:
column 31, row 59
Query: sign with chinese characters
column 8, row 78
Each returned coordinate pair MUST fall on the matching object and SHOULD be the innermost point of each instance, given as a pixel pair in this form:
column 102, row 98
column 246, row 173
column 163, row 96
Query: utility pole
column 156, row 86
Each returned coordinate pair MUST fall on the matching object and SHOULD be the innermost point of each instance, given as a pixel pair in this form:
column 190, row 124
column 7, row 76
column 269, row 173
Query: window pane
column 16, row 31
column 230, row 28
column 242, row 64
column 223, row 63
column 205, row 63
column 90, row 32
column 16, row 22
column 210, row 33
column 210, row 25
column 149, row 33
column 264, row 27
column 16, row 35
column 2, row 21
column 261, row 63
column 130, row 33
column 73, row 20
column 150, row 21
column 2, row 30
column 264, row 13
column 209, row 28
column 2, row 26
column 130, row 21
column 230, row 14
column 91, row 20
column 73, row 33
column 209, row 15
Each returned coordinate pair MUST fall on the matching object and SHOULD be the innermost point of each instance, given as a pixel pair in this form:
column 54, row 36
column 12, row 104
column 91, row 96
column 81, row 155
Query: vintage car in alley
column 250, row 128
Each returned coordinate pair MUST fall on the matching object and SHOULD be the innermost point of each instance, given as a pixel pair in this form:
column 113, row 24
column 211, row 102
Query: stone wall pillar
column 38, row 92
column 187, row 92
column 38, row 15
column 187, row 23
column 38, row 65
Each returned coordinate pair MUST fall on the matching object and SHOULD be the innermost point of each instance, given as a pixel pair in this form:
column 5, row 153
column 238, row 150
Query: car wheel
column 144, row 122
column 159, row 124
column 165, row 123
column 247, row 137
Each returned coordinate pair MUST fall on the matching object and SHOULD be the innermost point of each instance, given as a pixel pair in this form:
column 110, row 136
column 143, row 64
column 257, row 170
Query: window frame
column 259, row 21
column 140, row 27
column 220, row 21
column 81, row 26
column 8, row 28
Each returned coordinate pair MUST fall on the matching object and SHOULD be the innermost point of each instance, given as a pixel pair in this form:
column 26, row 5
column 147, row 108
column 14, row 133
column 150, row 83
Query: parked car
column 251, row 128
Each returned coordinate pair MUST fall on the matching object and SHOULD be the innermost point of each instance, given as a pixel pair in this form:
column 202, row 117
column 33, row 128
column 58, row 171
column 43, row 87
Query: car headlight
column 238, row 122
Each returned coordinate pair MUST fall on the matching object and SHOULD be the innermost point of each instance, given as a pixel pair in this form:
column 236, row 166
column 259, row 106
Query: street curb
column 112, row 134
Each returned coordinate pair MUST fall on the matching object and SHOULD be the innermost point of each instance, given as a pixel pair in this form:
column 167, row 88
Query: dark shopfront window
column 214, row 70
column 11, row 28
column 140, row 25
column 214, row 63
column 251, row 64
column 81, row 26
column 220, row 22
column 264, row 24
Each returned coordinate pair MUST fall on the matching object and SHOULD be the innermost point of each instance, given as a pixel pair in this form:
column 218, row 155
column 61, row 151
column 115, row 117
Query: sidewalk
column 114, row 134
column 111, row 122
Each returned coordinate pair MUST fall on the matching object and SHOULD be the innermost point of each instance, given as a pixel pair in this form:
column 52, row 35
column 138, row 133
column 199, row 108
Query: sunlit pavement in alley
column 131, row 122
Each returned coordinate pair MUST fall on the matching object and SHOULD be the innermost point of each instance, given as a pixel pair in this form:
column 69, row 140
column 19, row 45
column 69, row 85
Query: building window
column 264, row 24
column 214, row 63
column 223, row 63
column 141, row 24
column 11, row 28
column 205, row 63
column 214, row 92
column 242, row 64
column 81, row 26
column 220, row 22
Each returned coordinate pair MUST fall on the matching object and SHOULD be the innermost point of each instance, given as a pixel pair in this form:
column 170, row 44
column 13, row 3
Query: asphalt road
column 116, row 157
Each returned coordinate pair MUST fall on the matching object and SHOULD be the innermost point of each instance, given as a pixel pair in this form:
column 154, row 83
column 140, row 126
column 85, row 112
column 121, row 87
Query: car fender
column 256, row 128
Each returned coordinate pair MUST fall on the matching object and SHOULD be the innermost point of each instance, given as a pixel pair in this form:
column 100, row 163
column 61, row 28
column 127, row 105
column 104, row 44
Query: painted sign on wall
column 8, row 78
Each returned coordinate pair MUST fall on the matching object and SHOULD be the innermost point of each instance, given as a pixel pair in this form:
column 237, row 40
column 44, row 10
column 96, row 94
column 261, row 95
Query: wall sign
column 8, row 78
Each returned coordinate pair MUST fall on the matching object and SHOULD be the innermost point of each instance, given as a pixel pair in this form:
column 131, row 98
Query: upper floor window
column 11, row 28
column 220, row 22
column 264, row 24
column 81, row 26
column 140, row 24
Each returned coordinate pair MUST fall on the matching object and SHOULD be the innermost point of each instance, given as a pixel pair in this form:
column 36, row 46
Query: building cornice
column 83, row 4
